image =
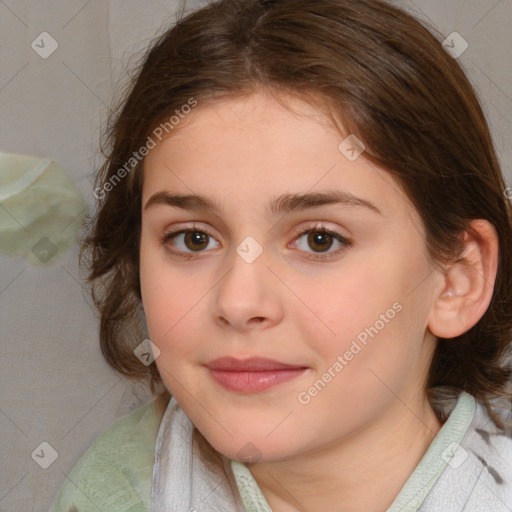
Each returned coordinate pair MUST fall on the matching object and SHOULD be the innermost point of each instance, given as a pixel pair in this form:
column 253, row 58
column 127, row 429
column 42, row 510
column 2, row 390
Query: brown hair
column 373, row 67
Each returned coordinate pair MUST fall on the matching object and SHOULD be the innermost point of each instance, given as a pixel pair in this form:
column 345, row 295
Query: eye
column 185, row 242
column 321, row 240
column 188, row 241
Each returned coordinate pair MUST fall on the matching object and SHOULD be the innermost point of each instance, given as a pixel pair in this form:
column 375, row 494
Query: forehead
column 242, row 151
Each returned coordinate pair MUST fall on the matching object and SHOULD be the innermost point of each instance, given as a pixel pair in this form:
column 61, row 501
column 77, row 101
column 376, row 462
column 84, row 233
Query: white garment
column 181, row 482
column 467, row 468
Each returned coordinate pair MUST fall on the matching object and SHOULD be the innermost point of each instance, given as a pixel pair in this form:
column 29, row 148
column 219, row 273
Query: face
column 339, row 286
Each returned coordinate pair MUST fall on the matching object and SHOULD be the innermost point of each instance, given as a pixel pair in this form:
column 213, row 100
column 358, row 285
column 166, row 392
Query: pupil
column 319, row 238
column 197, row 238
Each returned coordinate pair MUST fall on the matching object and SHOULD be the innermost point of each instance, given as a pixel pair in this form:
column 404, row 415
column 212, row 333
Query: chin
column 242, row 449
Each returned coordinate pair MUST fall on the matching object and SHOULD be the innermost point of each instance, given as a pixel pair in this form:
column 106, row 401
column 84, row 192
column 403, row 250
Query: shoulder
column 115, row 473
column 478, row 474
column 492, row 447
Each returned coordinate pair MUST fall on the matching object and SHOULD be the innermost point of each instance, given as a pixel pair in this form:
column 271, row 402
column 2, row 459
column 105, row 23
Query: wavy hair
column 371, row 66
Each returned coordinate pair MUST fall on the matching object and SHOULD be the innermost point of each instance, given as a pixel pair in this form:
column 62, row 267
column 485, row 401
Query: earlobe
column 467, row 284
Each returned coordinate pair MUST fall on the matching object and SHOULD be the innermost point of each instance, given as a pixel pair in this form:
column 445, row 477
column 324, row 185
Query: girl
column 303, row 203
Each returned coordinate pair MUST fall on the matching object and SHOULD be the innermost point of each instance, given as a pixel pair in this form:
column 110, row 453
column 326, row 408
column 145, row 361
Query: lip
column 251, row 364
column 252, row 375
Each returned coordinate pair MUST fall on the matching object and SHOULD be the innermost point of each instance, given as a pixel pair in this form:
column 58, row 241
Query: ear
column 468, row 284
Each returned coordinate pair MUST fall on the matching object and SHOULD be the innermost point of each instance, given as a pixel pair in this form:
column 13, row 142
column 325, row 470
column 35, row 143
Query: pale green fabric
column 115, row 473
column 41, row 209
column 435, row 459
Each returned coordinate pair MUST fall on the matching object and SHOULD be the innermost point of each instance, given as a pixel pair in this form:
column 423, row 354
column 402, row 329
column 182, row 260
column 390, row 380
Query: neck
column 362, row 472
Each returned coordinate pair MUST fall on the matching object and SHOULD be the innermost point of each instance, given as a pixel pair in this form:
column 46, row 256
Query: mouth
column 252, row 375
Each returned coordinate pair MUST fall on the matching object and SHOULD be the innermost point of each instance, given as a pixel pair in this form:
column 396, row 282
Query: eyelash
column 318, row 228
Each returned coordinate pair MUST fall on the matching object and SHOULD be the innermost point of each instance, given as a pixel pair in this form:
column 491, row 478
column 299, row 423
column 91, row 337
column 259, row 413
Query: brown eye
column 196, row 240
column 320, row 240
column 187, row 241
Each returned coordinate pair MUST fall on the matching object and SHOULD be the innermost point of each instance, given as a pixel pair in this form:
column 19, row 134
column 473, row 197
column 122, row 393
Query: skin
column 356, row 442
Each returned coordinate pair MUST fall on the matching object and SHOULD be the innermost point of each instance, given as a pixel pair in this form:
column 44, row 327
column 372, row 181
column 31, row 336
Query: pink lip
column 252, row 375
column 252, row 364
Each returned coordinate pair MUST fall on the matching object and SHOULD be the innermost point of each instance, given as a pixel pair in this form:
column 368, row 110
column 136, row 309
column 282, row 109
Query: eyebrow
column 282, row 204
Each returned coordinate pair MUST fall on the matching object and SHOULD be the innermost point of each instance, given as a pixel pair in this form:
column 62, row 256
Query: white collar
column 181, row 481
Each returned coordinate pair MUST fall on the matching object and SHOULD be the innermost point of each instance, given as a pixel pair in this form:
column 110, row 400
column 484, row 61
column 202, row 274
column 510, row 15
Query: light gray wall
column 485, row 25
column 55, row 386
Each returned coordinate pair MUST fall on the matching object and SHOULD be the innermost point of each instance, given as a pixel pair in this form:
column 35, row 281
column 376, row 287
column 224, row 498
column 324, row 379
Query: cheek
column 165, row 300
column 354, row 299
column 343, row 318
column 169, row 313
column 373, row 317
column 175, row 298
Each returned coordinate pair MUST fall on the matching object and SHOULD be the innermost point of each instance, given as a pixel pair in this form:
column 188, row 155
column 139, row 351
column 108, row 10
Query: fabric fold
column 196, row 487
column 467, row 468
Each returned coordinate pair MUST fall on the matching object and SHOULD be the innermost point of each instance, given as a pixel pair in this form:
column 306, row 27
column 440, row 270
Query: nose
column 248, row 296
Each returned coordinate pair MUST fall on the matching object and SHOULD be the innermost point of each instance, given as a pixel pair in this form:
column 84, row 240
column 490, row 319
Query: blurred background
column 61, row 65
